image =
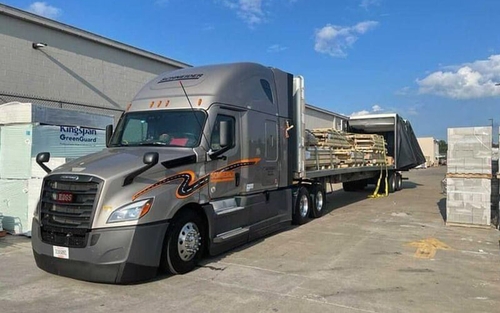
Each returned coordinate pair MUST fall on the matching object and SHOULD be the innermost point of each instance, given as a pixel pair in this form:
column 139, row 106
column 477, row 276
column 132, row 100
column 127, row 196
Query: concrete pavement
column 389, row 254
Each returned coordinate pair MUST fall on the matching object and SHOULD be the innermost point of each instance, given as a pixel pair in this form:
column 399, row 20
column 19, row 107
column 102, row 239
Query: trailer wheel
column 318, row 200
column 392, row 181
column 399, row 181
column 183, row 244
column 302, row 207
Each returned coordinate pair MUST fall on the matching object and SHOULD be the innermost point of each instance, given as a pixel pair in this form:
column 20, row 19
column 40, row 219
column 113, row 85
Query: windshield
column 175, row 128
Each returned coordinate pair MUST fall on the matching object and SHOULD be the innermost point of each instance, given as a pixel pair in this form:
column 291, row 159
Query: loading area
column 391, row 254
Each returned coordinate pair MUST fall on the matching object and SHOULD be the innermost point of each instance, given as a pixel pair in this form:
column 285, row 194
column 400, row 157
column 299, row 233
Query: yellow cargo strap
column 386, row 193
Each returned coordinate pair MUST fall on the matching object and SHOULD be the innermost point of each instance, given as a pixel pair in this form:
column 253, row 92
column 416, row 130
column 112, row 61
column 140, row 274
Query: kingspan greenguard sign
column 77, row 135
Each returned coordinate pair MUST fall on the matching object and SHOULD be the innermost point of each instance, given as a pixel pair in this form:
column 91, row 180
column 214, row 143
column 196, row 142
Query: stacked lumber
column 329, row 137
column 335, row 149
column 332, row 150
column 373, row 146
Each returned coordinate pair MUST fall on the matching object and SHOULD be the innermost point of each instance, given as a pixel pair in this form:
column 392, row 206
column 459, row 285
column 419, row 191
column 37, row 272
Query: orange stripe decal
column 190, row 184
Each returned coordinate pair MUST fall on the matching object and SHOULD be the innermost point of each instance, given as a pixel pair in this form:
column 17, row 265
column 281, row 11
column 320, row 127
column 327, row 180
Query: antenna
column 196, row 117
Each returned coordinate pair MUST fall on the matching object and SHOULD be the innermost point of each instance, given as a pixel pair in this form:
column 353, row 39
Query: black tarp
column 408, row 152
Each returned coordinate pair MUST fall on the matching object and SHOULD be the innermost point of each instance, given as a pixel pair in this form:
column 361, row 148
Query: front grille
column 67, row 208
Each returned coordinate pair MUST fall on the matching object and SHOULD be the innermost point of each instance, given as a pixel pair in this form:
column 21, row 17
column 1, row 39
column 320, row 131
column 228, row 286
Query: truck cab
column 196, row 164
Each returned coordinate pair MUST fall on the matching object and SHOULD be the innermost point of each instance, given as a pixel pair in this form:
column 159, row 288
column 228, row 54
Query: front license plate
column 61, row 252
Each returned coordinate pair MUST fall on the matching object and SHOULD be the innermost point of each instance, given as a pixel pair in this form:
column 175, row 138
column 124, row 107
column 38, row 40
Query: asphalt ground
column 392, row 254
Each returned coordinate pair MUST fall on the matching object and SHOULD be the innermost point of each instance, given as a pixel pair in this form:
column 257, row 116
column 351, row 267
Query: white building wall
column 430, row 149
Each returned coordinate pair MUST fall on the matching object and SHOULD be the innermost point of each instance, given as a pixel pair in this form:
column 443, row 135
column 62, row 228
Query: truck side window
column 215, row 136
column 267, row 89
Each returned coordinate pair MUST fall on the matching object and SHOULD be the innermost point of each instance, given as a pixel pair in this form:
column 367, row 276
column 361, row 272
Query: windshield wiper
column 154, row 143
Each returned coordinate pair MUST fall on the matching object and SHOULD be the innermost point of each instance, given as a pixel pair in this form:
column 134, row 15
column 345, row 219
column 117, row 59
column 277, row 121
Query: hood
column 119, row 161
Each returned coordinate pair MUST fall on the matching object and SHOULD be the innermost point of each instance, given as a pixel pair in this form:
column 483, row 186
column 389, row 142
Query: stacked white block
column 27, row 129
column 468, row 201
column 469, row 150
column 469, row 175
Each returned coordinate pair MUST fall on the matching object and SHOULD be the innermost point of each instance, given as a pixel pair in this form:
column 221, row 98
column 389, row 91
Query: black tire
column 186, row 232
column 399, row 182
column 302, row 207
column 318, row 197
column 392, row 181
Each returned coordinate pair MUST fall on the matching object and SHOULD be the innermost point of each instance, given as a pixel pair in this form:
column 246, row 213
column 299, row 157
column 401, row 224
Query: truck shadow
column 340, row 198
column 442, row 208
column 410, row 185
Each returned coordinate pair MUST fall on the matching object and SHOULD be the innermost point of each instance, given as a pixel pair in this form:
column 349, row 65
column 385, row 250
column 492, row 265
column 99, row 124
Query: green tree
column 443, row 147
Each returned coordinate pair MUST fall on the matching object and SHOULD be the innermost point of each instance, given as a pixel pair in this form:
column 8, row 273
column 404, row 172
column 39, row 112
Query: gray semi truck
column 204, row 159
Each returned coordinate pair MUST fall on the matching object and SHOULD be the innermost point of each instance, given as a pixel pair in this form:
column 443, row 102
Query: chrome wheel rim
column 189, row 241
column 304, row 206
column 319, row 201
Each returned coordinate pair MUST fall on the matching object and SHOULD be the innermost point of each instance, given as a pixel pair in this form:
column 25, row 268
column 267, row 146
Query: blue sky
column 434, row 62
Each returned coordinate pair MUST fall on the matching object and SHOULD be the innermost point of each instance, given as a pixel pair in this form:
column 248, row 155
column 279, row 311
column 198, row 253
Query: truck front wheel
column 184, row 243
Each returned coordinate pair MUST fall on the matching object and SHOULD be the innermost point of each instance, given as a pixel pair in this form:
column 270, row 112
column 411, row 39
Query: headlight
column 131, row 212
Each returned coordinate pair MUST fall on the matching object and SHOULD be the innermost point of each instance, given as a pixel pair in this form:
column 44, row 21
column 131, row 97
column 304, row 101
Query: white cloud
column 365, row 4
column 375, row 109
column 276, row 48
column 364, row 112
column 45, row 10
column 208, row 27
column 467, row 81
column 403, row 91
column 250, row 11
column 335, row 40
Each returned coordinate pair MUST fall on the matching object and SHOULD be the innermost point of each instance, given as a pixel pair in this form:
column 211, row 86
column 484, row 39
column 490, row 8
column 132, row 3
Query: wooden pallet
column 469, row 175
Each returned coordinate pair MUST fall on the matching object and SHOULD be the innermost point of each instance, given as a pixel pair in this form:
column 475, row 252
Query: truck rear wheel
column 184, row 243
column 318, row 200
column 302, row 207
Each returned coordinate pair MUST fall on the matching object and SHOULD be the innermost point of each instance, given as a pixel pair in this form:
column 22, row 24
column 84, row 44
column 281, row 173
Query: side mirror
column 109, row 133
column 226, row 141
column 225, row 134
column 150, row 159
column 43, row 157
